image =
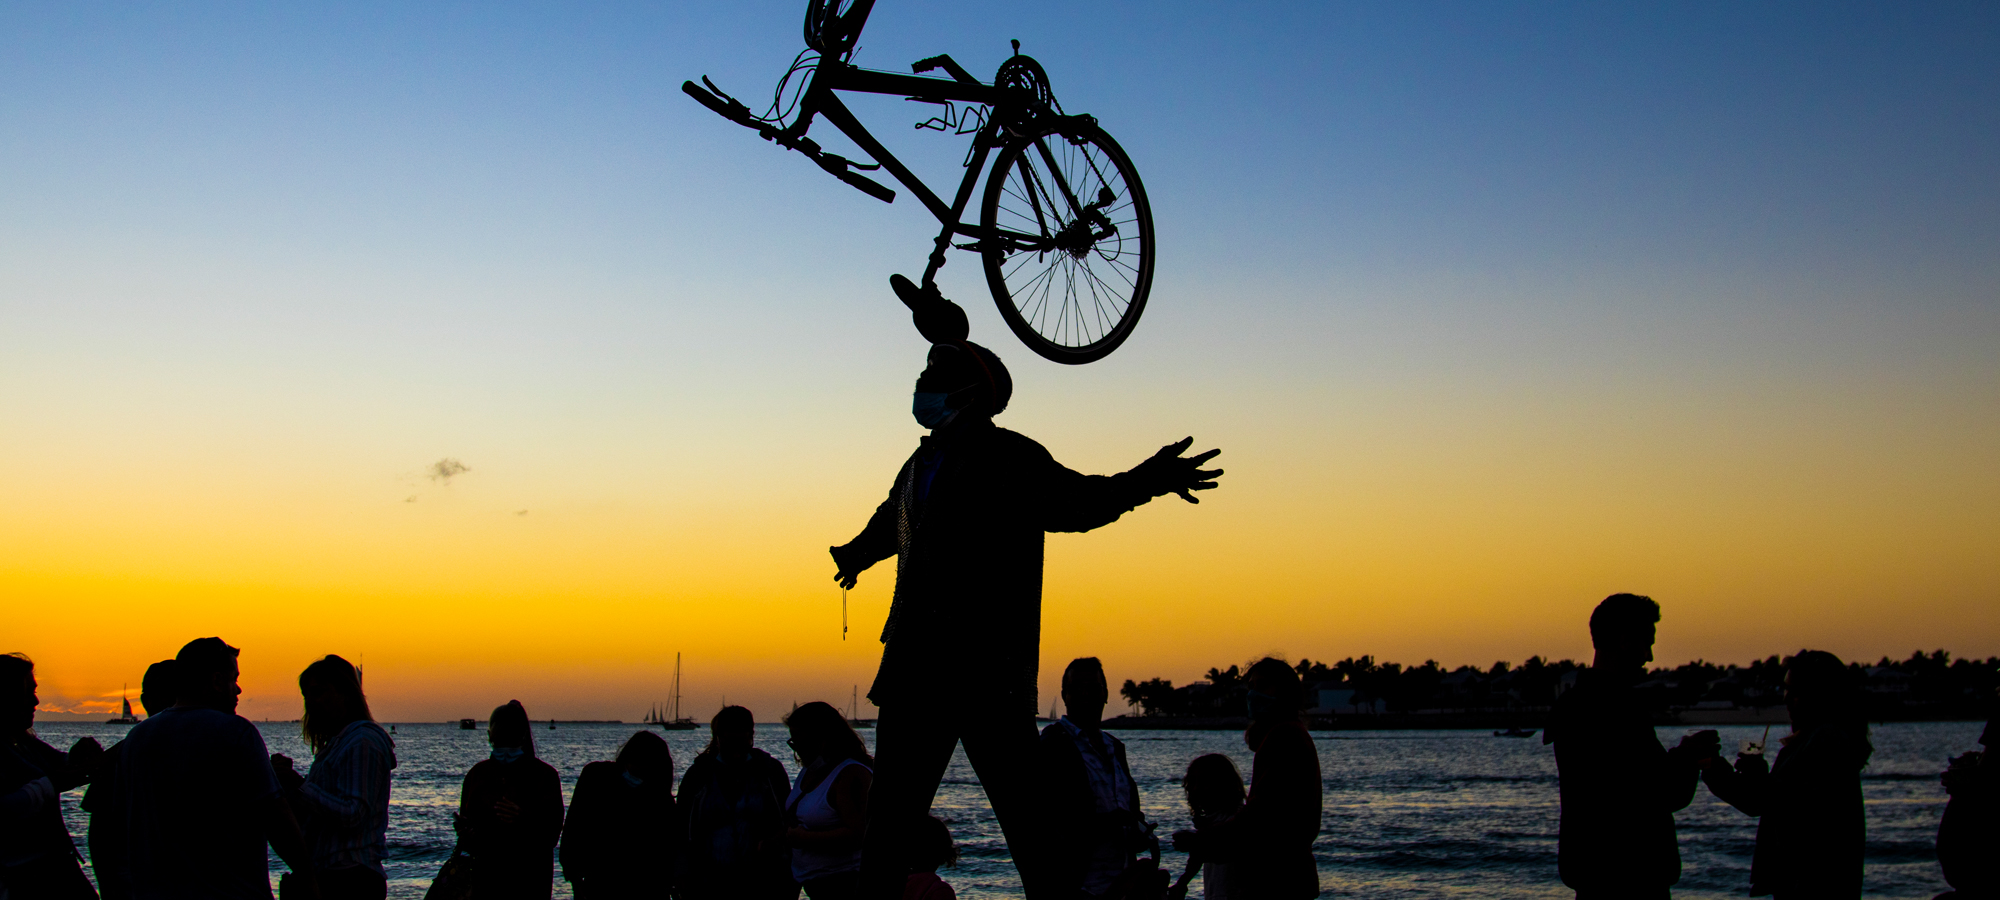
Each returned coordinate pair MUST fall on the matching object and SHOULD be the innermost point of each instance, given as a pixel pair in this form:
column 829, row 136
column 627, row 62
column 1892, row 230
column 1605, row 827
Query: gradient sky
column 1494, row 309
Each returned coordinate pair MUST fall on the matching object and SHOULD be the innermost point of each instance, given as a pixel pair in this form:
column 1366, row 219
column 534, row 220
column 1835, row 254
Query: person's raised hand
column 506, row 810
column 1168, row 472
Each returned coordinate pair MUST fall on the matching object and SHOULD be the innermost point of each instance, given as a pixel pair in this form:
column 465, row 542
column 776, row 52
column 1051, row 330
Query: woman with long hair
column 37, row 858
column 510, row 813
column 1812, row 829
column 620, row 839
column 733, row 801
column 827, row 808
column 343, row 801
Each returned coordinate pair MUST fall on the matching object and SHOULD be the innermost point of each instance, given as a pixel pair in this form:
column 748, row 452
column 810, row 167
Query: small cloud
column 520, row 512
column 445, row 469
column 410, row 499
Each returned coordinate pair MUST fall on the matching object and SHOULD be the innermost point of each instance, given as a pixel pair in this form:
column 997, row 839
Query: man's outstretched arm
column 1079, row 502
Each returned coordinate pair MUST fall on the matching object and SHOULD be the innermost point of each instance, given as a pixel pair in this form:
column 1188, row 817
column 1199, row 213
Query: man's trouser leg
column 1002, row 750
column 912, row 750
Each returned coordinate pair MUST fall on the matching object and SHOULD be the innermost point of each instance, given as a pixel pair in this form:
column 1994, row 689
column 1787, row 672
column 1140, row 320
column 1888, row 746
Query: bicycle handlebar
column 838, row 166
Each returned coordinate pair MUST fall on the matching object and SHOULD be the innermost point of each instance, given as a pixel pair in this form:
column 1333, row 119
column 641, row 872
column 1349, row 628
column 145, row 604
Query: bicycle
column 1064, row 228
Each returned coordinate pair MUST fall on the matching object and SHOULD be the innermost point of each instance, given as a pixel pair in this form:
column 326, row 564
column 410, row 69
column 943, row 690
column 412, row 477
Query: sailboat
column 127, row 718
column 677, row 722
column 854, row 711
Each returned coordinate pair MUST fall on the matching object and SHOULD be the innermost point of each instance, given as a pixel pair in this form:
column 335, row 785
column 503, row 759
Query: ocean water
column 1408, row 813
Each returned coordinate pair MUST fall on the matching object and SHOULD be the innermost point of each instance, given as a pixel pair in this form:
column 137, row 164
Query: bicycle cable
column 781, row 109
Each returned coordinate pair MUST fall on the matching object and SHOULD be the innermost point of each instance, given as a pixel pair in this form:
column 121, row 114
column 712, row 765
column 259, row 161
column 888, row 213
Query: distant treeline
column 1927, row 685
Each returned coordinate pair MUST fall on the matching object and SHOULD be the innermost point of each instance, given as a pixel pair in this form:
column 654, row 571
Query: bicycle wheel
column 1067, row 240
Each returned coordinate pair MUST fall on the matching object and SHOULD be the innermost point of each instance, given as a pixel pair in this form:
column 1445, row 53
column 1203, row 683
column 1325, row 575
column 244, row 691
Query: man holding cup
column 1620, row 787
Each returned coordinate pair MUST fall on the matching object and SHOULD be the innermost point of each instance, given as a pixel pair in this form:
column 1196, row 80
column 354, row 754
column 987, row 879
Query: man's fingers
column 1203, row 486
column 1177, row 447
column 1200, row 458
column 1206, row 474
column 1184, row 495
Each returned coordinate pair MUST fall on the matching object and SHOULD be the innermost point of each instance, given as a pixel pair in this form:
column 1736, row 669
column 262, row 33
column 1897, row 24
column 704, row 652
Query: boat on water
column 1516, row 733
column 854, row 711
column 676, row 721
column 127, row 718
column 468, row 724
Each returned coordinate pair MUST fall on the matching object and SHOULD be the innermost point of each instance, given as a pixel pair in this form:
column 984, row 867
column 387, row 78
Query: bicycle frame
column 1024, row 123
column 821, row 100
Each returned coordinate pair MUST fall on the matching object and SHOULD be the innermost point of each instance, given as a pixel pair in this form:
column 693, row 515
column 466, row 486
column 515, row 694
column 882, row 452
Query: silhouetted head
column 1622, row 628
column 820, row 732
column 331, row 687
column 1213, row 786
column 207, row 671
column 1084, row 691
column 930, row 845
column 961, row 381
column 17, row 684
column 508, row 729
column 646, row 757
column 161, row 686
column 1820, row 690
column 731, row 733
column 1274, row 690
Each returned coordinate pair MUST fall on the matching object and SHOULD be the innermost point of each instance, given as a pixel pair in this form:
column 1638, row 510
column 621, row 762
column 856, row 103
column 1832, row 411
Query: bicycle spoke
column 1076, row 190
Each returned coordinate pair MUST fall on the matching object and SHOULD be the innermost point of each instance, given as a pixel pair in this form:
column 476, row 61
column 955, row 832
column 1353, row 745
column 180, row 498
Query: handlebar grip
column 707, row 99
column 868, row 186
column 926, row 65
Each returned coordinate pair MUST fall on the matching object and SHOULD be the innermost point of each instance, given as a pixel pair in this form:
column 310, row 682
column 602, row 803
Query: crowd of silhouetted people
column 186, row 805
column 188, row 802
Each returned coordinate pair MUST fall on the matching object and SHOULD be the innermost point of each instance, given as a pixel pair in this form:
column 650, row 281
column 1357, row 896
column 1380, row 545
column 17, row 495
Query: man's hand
column 1701, row 745
column 849, row 568
column 1167, row 472
column 506, row 810
column 84, row 755
column 1187, row 841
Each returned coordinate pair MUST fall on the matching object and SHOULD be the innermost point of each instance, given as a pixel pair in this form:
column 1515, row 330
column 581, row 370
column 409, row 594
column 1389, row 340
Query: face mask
column 930, row 409
column 1260, row 704
column 507, row 754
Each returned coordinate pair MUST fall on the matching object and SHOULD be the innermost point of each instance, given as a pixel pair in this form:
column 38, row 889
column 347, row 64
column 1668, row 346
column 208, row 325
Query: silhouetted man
column 1620, row 787
column 965, row 519
column 199, row 795
column 107, row 817
column 1089, row 804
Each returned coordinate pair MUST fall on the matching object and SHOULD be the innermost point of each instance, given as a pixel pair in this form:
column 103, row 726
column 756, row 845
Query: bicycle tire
column 833, row 26
column 1070, row 285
